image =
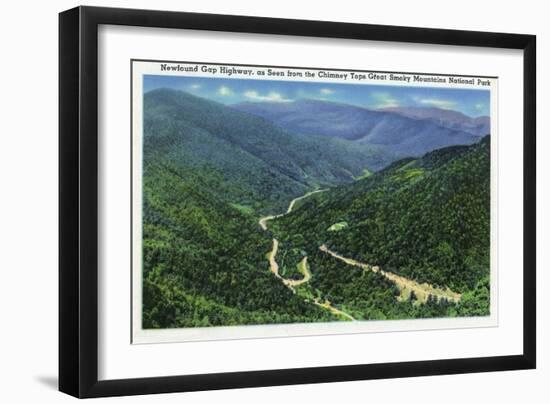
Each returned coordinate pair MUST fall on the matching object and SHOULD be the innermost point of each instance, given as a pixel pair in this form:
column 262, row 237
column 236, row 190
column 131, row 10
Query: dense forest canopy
column 427, row 219
column 210, row 172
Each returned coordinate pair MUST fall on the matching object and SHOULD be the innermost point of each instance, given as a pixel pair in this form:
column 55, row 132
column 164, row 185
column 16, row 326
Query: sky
column 231, row 91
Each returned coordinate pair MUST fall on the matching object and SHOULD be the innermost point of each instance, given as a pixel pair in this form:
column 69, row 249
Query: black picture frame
column 78, row 201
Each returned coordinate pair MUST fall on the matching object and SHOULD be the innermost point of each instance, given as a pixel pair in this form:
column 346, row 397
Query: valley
column 406, row 287
column 248, row 220
column 303, row 265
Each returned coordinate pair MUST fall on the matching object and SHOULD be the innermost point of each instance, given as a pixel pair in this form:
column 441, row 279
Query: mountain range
column 210, row 171
column 247, row 154
column 479, row 126
column 401, row 132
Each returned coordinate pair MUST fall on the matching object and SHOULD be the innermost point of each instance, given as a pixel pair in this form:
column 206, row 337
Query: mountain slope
column 204, row 261
column 208, row 171
column 392, row 132
column 426, row 219
column 256, row 163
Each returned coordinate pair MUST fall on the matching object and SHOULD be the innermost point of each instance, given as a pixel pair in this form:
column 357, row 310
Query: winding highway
column 422, row 290
column 302, row 266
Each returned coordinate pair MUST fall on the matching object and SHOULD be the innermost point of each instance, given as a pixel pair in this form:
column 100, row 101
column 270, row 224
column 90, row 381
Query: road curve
column 421, row 290
column 303, row 265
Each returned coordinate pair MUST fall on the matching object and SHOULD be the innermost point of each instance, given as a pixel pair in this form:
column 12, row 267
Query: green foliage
column 476, row 302
column 288, row 259
column 210, row 172
column 431, row 226
column 204, row 260
column 366, row 173
column 338, row 226
column 251, row 161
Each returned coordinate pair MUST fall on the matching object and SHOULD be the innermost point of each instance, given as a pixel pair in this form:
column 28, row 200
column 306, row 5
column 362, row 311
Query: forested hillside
column 251, row 161
column 207, row 173
column 204, row 261
column 427, row 219
column 219, row 185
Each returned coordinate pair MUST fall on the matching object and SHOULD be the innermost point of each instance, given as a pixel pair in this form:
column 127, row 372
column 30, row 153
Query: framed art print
column 249, row 201
column 319, row 179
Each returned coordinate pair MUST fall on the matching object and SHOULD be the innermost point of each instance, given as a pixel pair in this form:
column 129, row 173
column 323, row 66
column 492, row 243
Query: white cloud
column 390, row 103
column 326, row 91
column 225, row 91
column 272, row 96
column 479, row 106
column 384, row 100
column 195, row 86
column 435, row 102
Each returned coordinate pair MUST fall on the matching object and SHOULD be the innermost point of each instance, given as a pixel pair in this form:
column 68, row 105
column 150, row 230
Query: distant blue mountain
column 398, row 132
column 447, row 118
column 251, row 160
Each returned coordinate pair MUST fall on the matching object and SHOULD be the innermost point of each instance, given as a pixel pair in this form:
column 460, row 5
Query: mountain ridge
column 210, row 172
column 476, row 125
column 442, row 198
column 248, row 150
column 394, row 132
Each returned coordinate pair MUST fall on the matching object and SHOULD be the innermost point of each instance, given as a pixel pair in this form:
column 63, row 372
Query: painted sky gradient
column 231, row 91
